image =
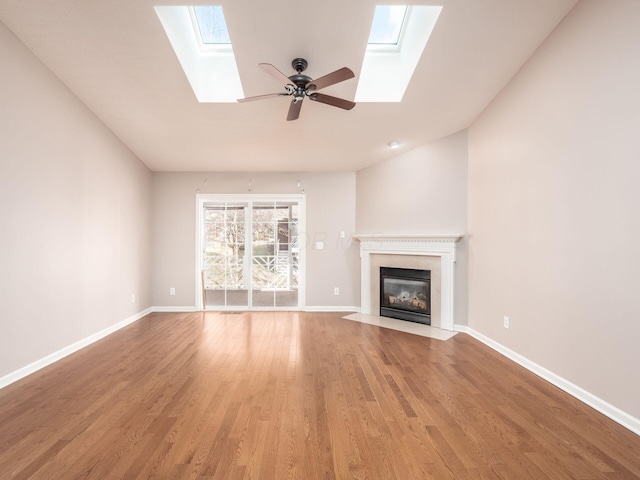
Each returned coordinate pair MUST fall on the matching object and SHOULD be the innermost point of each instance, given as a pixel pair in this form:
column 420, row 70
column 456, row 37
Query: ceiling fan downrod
column 300, row 80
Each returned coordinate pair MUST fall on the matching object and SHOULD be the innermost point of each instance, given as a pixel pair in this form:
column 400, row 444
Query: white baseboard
column 265, row 309
column 269, row 309
column 66, row 351
column 614, row 413
column 331, row 309
column 173, row 309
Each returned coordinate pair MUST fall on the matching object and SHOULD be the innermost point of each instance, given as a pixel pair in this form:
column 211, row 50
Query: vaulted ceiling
column 115, row 57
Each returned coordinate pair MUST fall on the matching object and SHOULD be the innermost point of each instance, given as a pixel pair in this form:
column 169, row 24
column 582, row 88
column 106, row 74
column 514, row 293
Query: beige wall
column 75, row 216
column 330, row 199
column 554, row 228
column 421, row 191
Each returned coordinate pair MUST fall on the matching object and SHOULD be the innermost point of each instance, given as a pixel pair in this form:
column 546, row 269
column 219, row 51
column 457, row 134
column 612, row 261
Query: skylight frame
column 208, row 47
column 390, row 46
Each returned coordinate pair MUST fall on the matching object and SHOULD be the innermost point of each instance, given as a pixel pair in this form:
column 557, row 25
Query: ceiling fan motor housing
column 300, row 80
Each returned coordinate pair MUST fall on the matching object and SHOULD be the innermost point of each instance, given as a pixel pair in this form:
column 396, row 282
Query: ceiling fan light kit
column 300, row 86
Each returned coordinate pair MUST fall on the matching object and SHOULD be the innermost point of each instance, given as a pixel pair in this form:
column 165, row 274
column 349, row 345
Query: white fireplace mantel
column 443, row 246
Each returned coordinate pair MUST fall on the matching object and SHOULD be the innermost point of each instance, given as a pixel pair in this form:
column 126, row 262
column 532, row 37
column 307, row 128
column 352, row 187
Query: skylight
column 211, row 25
column 398, row 36
column 200, row 38
column 387, row 24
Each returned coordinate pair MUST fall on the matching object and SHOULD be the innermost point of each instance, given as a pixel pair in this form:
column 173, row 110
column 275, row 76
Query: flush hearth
column 405, row 294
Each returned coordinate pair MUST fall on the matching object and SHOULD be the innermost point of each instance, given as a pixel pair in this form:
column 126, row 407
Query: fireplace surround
column 430, row 252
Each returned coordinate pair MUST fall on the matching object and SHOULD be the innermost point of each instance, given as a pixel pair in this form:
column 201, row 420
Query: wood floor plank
column 289, row 395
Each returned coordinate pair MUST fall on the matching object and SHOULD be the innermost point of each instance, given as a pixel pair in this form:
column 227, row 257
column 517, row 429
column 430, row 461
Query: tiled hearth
column 433, row 252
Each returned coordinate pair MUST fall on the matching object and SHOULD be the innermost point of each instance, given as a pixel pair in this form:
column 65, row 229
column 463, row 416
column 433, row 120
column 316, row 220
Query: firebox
column 405, row 294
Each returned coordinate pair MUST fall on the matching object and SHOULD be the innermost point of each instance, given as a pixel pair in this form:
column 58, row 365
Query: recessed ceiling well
column 202, row 44
column 398, row 36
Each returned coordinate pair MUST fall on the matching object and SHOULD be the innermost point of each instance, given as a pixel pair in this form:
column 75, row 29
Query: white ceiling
column 115, row 56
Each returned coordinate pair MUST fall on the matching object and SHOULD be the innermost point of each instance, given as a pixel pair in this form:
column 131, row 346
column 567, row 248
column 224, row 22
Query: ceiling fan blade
column 333, row 101
column 275, row 73
column 262, row 97
column 294, row 109
column 330, row 79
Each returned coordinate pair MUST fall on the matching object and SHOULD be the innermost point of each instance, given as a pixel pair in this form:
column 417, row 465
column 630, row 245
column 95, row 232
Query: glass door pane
column 224, row 254
column 274, row 257
column 263, row 266
column 288, row 254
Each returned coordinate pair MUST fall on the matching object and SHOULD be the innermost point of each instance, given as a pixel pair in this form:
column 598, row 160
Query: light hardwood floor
column 298, row 395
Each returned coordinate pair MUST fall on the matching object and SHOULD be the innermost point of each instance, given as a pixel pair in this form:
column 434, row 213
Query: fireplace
column 436, row 253
column 405, row 294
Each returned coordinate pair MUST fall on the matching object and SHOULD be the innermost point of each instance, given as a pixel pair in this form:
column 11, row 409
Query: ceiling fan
column 300, row 86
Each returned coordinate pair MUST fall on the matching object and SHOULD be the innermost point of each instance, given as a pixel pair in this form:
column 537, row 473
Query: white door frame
column 203, row 198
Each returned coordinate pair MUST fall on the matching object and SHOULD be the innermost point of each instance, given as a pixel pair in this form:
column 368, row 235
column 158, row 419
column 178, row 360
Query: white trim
column 614, row 413
column 322, row 308
column 68, row 350
column 203, row 198
column 161, row 309
column 410, row 237
column 214, row 308
column 443, row 246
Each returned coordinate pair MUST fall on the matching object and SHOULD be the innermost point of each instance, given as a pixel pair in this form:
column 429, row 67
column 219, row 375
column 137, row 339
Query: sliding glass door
column 250, row 252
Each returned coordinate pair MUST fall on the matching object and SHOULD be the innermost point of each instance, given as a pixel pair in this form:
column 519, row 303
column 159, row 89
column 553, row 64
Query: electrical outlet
column 133, row 297
column 172, row 291
column 336, row 291
column 506, row 322
column 341, row 233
